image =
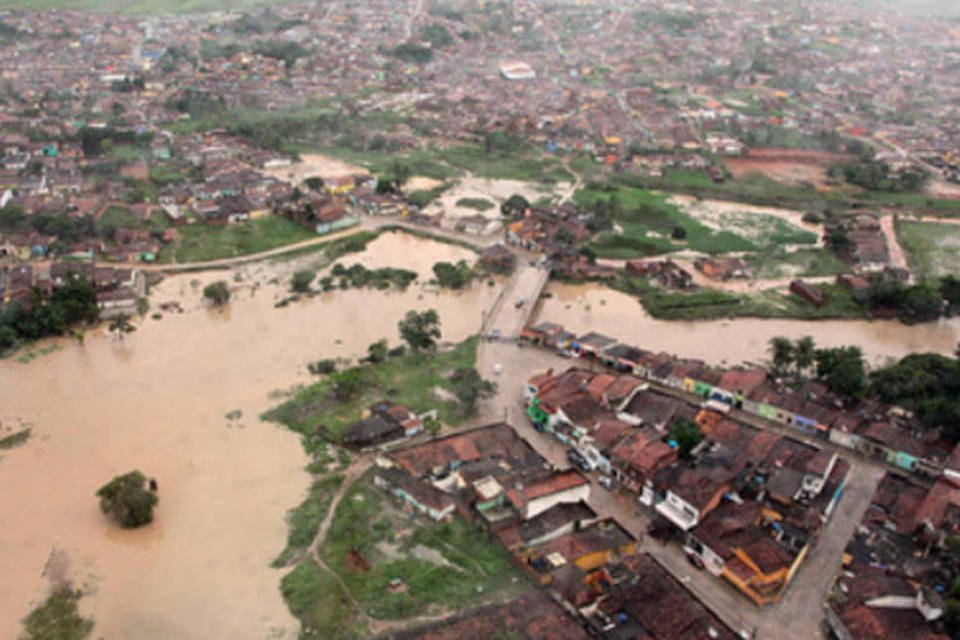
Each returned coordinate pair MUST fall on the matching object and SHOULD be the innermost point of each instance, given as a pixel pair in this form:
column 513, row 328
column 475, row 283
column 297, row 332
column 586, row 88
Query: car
column 494, row 335
column 520, row 302
column 606, row 482
column 576, row 458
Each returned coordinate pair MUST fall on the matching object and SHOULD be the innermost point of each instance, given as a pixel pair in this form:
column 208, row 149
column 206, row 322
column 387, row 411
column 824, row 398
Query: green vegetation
column 927, row 384
column 933, row 250
column 301, row 280
column 127, row 500
column 648, row 224
column 67, row 306
column 779, row 263
column 304, row 521
column 453, row 276
column 201, row 242
column 762, row 190
column 686, row 434
column 218, row 293
column 420, row 330
column 319, row 416
column 14, row 219
column 15, row 439
column 876, row 176
column 316, row 598
column 470, row 388
column 358, row 276
column 842, row 369
column 709, row 304
column 57, row 618
column 478, row 204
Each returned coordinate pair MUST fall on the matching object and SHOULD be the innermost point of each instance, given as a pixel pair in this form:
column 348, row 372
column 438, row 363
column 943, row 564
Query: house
column 591, row 344
column 534, row 498
column 498, row 258
column 417, row 496
column 723, row 268
column 373, row 431
column 650, row 603
column 690, row 495
column 809, row 292
column 587, row 549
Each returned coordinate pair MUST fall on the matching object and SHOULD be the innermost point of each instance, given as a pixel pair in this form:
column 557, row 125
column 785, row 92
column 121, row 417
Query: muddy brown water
column 157, row 402
column 583, row 308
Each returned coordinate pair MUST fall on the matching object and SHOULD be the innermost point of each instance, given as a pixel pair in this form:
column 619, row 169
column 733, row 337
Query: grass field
column 647, row 221
column 206, row 242
column 138, row 6
column 933, row 250
column 409, row 380
column 304, row 521
column 709, row 304
column 777, row 263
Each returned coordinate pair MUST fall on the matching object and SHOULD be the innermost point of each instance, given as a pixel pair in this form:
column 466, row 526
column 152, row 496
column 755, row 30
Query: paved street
column 796, row 617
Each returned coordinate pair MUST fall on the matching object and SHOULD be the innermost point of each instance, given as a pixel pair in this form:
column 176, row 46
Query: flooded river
column 583, row 308
column 157, row 401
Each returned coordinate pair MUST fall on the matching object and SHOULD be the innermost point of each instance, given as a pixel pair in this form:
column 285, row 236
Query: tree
column 563, row 235
column 314, row 182
column 420, row 330
column 401, row 173
column 842, row 369
column 926, row 384
column 218, row 293
column 378, row 351
column 347, row 382
column 301, row 280
column 514, row 206
column 686, row 434
column 452, row 276
column 838, row 240
column 781, row 350
column 121, row 325
column 950, row 292
column 470, row 388
column 127, row 500
column 804, row 354
column 58, row 618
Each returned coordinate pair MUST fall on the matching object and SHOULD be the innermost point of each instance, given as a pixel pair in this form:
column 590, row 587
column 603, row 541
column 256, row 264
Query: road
column 796, row 617
column 366, row 224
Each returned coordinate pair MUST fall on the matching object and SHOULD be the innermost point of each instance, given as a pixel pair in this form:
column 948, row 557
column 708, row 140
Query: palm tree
column 121, row 325
column 804, row 351
column 781, row 349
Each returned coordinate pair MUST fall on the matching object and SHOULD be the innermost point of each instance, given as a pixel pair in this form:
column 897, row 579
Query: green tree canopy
column 842, row 369
column 420, row 330
column 470, row 388
column 127, row 500
column 686, row 434
column 218, row 293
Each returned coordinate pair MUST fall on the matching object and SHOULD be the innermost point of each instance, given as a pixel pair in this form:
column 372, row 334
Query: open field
column 647, row 221
column 777, row 263
column 790, row 166
column 933, row 250
column 314, row 164
column 395, row 567
column 206, row 242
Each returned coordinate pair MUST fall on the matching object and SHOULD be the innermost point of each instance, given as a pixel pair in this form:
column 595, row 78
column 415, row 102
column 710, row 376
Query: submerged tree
column 420, row 330
column 217, row 293
column 121, row 325
column 127, row 499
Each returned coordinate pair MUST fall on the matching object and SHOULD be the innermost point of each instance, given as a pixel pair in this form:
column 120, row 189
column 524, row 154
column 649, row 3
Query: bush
column 301, row 281
column 127, row 500
column 322, row 367
column 217, row 293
